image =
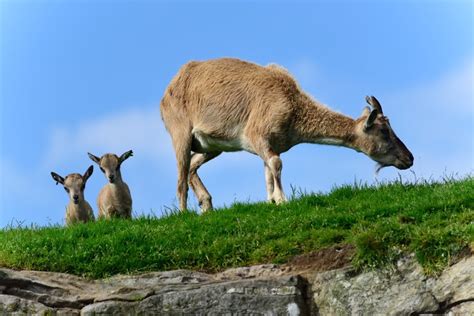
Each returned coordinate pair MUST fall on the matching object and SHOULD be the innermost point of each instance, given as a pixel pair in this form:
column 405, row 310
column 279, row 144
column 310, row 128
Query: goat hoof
column 206, row 205
column 280, row 200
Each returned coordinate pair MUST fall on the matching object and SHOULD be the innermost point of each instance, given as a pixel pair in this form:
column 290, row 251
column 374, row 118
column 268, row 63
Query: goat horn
column 374, row 103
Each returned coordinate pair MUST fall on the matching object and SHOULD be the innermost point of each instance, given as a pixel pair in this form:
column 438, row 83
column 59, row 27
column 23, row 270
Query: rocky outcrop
column 258, row 290
column 262, row 290
column 401, row 290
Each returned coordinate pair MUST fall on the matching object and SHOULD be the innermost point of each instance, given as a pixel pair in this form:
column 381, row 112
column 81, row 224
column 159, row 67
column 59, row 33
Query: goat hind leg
column 182, row 148
column 203, row 196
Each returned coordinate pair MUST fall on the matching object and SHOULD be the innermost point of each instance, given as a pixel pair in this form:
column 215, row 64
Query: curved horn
column 374, row 103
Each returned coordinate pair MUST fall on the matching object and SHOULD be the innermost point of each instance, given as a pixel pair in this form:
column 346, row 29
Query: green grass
column 433, row 220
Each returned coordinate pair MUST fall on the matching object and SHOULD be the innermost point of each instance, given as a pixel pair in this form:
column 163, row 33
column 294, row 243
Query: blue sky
column 79, row 76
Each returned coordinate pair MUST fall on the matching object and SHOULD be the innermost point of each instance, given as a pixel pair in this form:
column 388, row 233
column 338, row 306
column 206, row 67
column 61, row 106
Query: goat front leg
column 270, row 183
column 261, row 146
column 274, row 163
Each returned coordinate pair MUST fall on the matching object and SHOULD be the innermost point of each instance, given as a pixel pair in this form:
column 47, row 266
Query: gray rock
column 166, row 293
column 257, row 290
column 403, row 290
column 466, row 308
column 249, row 297
column 109, row 308
column 12, row 304
column 456, row 283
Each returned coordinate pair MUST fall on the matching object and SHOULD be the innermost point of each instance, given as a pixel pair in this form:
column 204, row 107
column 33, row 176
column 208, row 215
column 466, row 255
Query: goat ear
column 371, row 119
column 57, row 178
column 88, row 173
column 94, row 158
column 365, row 111
column 126, row 155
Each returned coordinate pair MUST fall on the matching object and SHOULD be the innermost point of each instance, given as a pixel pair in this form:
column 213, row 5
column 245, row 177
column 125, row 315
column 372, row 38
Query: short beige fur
column 78, row 209
column 114, row 199
column 228, row 104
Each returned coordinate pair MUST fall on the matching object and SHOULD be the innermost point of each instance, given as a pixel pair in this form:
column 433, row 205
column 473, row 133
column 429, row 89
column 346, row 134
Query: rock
column 259, row 297
column 466, row 308
column 110, row 308
column 456, row 283
column 259, row 271
column 403, row 290
column 257, row 290
column 10, row 304
column 171, row 292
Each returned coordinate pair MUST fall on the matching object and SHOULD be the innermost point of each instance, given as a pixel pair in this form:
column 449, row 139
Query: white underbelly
column 206, row 143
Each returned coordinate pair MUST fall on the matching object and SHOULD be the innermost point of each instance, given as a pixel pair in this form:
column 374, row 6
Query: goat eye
column 67, row 190
column 83, row 187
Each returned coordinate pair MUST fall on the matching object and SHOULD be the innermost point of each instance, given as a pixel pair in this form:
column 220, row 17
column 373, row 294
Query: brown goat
column 227, row 104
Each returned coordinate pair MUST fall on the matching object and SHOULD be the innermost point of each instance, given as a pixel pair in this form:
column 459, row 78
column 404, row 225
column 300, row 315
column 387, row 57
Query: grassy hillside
column 433, row 220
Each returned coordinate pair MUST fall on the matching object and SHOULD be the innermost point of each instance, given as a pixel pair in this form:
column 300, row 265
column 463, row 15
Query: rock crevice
column 446, row 307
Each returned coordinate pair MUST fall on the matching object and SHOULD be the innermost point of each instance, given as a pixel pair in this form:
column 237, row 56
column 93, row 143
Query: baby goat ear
column 371, row 119
column 94, row 158
column 88, row 173
column 125, row 156
column 57, row 178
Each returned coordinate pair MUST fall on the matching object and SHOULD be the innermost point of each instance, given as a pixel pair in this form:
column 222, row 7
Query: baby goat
column 78, row 210
column 114, row 199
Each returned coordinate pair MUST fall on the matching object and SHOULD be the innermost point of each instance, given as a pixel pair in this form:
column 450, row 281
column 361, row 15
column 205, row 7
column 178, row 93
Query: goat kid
column 78, row 209
column 114, row 199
